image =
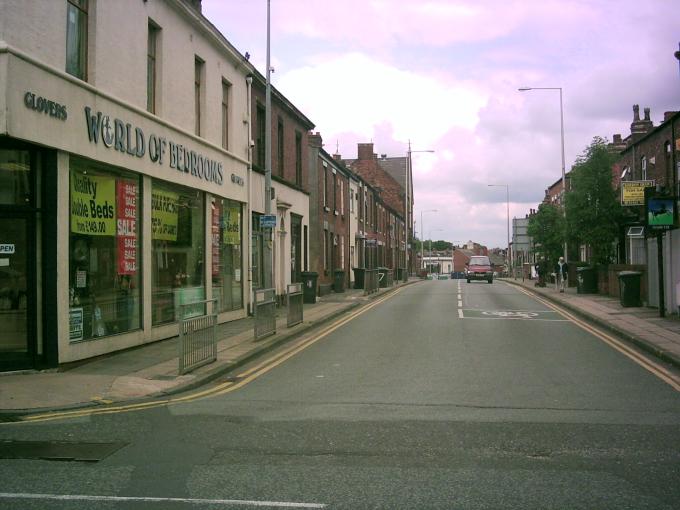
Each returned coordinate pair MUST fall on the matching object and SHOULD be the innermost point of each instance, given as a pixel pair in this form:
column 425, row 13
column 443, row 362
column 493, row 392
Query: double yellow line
column 644, row 361
column 220, row 389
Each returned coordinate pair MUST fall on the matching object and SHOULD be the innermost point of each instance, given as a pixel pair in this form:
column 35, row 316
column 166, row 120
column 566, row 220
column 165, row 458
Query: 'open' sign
column 6, row 249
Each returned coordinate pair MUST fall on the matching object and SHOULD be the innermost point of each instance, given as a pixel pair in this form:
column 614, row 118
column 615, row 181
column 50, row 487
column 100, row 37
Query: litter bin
column 339, row 280
column 586, row 280
column 309, row 286
column 629, row 288
column 382, row 277
column 358, row 277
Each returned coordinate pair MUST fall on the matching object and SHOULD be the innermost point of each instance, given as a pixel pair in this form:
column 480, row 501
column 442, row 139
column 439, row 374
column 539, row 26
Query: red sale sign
column 126, row 226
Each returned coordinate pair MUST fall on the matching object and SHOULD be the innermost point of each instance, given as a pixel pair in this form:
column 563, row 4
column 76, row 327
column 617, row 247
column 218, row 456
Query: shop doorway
column 17, row 313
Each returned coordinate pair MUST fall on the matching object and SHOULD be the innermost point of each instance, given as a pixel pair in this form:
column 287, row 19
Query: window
column 259, row 140
column 325, row 184
column 342, row 197
column 298, row 158
column 335, row 192
column 280, row 145
column 226, row 97
column 151, row 53
column 198, row 93
column 227, row 258
column 178, row 238
column 643, row 165
column 76, row 38
column 15, row 177
column 104, row 251
column 325, row 250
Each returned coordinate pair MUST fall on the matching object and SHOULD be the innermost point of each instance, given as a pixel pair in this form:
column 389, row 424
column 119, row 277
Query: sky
column 444, row 74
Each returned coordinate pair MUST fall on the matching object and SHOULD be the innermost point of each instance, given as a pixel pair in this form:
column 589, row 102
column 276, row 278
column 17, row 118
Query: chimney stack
column 365, row 151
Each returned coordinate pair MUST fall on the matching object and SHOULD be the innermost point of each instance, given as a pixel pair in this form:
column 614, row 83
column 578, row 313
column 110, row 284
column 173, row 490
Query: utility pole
column 267, row 245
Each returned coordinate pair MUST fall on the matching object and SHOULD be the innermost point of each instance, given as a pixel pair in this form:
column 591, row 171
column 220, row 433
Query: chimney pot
column 636, row 112
column 647, row 113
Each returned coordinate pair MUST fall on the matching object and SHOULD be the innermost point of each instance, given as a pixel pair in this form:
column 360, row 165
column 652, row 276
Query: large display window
column 178, row 240
column 104, row 251
column 227, row 258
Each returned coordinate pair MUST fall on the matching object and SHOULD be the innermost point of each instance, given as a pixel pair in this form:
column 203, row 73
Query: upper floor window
column 280, row 145
column 643, row 165
column 199, row 65
column 226, row 97
column 335, row 192
column 151, row 66
column 76, row 38
column 325, row 184
column 298, row 158
column 260, row 123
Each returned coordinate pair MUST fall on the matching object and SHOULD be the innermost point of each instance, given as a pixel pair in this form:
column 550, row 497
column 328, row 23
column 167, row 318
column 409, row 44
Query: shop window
column 104, row 251
column 76, row 38
column 178, row 240
column 15, row 174
column 227, row 257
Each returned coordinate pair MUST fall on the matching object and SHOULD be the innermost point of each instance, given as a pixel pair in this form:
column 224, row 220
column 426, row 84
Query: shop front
column 109, row 220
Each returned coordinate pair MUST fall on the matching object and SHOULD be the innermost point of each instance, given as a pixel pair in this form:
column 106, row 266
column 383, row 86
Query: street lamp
column 408, row 178
column 564, row 180
column 507, row 201
column 422, row 233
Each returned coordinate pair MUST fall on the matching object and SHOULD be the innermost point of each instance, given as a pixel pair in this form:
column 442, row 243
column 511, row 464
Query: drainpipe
column 248, row 218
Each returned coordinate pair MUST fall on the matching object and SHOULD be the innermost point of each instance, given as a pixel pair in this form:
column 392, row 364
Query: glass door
column 15, row 345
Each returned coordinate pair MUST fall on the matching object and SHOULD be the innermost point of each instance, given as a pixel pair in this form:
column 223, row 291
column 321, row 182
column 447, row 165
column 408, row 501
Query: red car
column 479, row 268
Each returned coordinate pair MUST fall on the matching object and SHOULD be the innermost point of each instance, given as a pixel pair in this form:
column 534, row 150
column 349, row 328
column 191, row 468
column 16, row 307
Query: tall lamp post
column 407, row 202
column 422, row 241
column 507, row 203
column 564, row 180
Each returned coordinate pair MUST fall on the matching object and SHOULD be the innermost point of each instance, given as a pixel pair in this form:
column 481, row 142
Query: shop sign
column 660, row 213
column 75, row 322
column 44, row 105
column 164, row 215
column 633, row 192
column 232, row 225
column 126, row 138
column 92, row 205
column 126, row 193
column 6, row 249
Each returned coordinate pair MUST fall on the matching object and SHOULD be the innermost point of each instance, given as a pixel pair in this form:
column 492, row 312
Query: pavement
column 152, row 370
column 641, row 326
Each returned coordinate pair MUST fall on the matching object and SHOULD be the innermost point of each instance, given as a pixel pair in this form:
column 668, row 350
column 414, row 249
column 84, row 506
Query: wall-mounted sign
column 92, row 205
column 660, row 211
column 124, row 137
column 44, row 105
column 633, row 192
column 268, row 221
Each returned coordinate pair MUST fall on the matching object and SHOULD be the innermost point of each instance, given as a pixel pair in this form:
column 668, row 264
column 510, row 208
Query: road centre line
column 651, row 366
column 194, row 501
column 220, row 389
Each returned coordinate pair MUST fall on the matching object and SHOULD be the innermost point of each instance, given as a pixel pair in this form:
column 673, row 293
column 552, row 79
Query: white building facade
column 124, row 170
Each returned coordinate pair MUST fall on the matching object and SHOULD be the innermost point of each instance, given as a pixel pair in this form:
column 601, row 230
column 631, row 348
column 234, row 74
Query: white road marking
column 193, row 501
column 460, row 313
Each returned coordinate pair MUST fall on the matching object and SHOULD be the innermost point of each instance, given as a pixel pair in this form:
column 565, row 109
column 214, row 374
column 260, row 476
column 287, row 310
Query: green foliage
column 593, row 209
column 546, row 228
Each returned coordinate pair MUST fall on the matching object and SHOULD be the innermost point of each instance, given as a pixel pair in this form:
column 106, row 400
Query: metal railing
column 294, row 299
column 265, row 313
column 197, row 334
column 370, row 281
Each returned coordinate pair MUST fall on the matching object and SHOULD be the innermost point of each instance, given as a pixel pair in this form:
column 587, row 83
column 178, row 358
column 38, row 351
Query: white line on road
column 193, row 501
column 460, row 313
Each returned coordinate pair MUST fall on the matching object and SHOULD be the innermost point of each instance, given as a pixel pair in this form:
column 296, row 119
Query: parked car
column 479, row 268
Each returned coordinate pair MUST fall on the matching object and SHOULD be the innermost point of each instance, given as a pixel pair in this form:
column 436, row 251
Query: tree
column 593, row 209
column 546, row 228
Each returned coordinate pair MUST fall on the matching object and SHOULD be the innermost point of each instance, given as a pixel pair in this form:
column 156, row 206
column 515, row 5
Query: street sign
column 268, row 221
column 371, row 242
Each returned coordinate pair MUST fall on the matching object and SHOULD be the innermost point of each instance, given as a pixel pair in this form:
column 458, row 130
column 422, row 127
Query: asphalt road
column 425, row 401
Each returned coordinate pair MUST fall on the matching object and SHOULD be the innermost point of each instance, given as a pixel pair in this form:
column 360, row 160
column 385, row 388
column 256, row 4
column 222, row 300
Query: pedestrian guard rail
column 197, row 334
column 294, row 301
column 265, row 313
column 370, row 281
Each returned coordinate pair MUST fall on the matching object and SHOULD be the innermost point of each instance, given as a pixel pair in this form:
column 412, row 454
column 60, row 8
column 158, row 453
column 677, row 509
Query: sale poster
column 215, row 240
column 126, row 226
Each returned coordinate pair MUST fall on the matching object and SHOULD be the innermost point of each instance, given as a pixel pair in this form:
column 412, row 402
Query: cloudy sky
column 444, row 74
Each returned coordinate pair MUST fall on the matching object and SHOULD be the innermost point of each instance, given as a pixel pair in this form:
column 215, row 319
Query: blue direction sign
column 268, row 221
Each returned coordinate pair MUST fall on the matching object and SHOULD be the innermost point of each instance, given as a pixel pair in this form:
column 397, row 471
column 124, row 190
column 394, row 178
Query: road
column 445, row 395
